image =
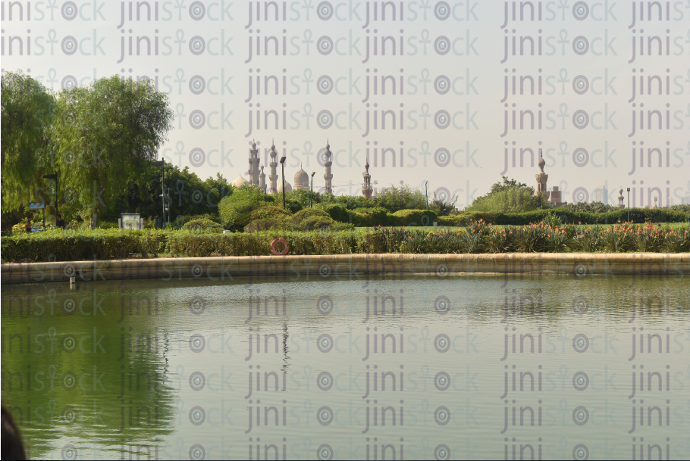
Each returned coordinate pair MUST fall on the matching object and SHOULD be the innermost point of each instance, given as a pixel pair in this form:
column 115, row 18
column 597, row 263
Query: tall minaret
column 328, row 157
column 541, row 177
column 253, row 165
column 274, row 173
column 262, row 180
column 366, row 187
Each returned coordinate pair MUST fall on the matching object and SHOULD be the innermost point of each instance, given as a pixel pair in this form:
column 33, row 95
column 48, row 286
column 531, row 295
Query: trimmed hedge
column 302, row 215
column 59, row 245
column 203, row 225
column 637, row 215
column 415, row 217
column 337, row 212
column 269, row 212
column 478, row 237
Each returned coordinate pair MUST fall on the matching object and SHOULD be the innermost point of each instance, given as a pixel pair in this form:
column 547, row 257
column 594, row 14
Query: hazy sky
column 450, row 60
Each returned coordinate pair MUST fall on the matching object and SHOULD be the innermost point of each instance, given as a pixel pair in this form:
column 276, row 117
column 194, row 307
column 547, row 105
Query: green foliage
column 415, row 217
column 337, row 212
column 203, row 225
column 510, row 200
column 312, row 219
column 317, row 223
column 186, row 194
column 637, row 215
column 509, row 196
column 307, row 213
column 291, row 204
column 28, row 112
column 275, row 213
column 107, row 134
column 682, row 208
column 442, row 207
column 265, row 224
column 381, row 216
column 400, row 198
column 212, row 217
column 82, row 245
column 594, row 207
column 236, row 215
column 235, row 209
column 352, row 202
column 477, row 237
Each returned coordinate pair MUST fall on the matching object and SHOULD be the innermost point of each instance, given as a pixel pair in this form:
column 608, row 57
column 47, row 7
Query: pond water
column 379, row 369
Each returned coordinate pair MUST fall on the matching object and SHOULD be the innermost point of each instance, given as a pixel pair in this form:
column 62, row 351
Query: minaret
column 253, row 165
column 621, row 199
column 274, row 173
column 262, row 180
column 542, row 177
column 328, row 162
column 366, row 187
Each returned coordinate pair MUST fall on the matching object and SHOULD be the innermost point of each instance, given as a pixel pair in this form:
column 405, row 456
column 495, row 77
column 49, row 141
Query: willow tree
column 28, row 109
column 106, row 135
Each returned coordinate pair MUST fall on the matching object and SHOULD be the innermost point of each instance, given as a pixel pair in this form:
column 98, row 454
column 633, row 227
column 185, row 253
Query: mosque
column 552, row 196
column 257, row 177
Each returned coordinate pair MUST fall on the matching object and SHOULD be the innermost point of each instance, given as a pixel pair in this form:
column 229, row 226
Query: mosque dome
column 240, row 181
column 288, row 187
column 301, row 180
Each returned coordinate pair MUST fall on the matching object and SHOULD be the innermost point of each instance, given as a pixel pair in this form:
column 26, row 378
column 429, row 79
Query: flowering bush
column 477, row 237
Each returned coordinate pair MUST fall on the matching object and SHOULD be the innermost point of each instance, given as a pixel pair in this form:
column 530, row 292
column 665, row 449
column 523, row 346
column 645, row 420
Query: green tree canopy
column 28, row 109
column 509, row 196
column 107, row 134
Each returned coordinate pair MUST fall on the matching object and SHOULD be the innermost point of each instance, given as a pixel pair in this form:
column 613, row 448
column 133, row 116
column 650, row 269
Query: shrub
column 379, row 216
column 69, row 245
column 337, row 212
column 262, row 225
column 452, row 220
column 477, row 237
column 300, row 216
column 292, row 204
column 205, row 225
column 193, row 217
column 113, row 225
column 415, row 217
column 316, row 223
column 234, row 210
column 269, row 212
column 400, row 198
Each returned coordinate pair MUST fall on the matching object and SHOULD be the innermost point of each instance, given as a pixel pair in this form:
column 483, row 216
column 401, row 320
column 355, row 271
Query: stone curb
column 344, row 267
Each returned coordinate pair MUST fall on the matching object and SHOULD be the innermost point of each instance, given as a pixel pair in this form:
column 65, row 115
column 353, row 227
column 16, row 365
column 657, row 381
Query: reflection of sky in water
column 322, row 342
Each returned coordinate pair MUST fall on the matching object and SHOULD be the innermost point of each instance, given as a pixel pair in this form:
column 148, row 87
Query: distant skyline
column 206, row 64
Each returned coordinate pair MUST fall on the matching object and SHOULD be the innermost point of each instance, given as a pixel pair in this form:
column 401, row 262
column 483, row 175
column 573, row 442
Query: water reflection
column 178, row 369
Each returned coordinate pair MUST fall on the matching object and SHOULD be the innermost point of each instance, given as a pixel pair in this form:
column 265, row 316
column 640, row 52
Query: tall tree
column 107, row 135
column 510, row 196
column 28, row 109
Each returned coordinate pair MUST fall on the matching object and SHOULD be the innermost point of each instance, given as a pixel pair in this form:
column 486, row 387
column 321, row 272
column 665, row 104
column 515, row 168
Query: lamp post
column 628, row 204
column 282, row 165
column 426, row 194
column 161, row 163
column 311, row 194
column 55, row 177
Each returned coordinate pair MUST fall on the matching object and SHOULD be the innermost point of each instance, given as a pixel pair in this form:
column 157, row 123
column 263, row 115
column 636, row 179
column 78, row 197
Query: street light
column 282, row 164
column 161, row 163
column 426, row 194
column 311, row 195
column 55, row 177
column 628, row 204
